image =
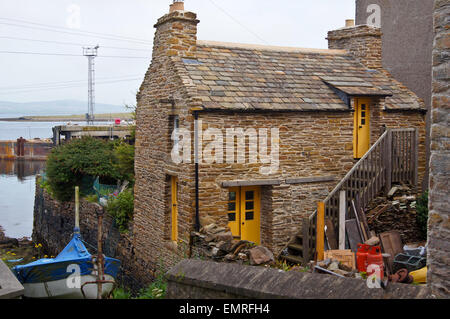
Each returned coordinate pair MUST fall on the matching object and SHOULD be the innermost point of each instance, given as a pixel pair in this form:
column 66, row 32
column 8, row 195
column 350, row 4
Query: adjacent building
column 407, row 36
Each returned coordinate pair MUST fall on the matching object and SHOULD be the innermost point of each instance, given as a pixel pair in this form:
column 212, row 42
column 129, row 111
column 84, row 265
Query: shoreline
column 68, row 118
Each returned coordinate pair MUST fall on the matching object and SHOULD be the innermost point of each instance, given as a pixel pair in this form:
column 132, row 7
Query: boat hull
column 59, row 289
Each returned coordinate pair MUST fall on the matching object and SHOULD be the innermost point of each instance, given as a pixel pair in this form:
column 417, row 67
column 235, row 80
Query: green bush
column 422, row 213
column 69, row 164
column 157, row 290
column 92, row 198
column 124, row 165
column 121, row 209
column 79, row 161
column 120, row 293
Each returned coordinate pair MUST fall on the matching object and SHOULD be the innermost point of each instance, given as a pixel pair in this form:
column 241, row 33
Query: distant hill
column 60, row 107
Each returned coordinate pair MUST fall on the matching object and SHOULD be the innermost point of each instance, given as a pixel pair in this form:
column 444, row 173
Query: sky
column 124, row 31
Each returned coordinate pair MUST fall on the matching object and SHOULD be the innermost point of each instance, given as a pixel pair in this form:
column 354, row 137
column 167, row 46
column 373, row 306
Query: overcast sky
column 32, row 77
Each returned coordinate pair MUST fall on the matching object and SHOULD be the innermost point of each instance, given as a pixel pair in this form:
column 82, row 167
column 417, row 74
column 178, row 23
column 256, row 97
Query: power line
column 77, row 55
column 69, row 43
column 124, row 38
column 238, row 22
column 67, row 86
column 79, row 33
column 45, row 84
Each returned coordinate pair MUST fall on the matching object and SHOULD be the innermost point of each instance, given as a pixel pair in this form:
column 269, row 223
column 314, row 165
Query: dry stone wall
column 439, row 204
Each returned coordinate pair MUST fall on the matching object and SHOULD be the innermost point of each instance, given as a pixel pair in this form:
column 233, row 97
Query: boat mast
column 77, row 210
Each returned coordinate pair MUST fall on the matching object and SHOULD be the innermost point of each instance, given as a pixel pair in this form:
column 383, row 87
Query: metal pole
column 99, row 256
column 91, row 53
column 77, row 209
column 196, row 158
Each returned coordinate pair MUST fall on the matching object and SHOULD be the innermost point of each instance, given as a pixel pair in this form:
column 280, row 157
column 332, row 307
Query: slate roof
column 247, row 77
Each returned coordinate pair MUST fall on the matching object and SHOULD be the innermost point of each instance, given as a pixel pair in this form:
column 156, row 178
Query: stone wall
column 196, row 279
column 163, row 95
column 329, row 153
column 439, row 197
column 53, row 228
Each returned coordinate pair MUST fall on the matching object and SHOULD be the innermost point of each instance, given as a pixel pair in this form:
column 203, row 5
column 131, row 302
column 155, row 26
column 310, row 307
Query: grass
column 29, row 253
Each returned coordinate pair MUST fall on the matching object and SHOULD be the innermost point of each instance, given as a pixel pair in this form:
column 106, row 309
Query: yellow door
column 244, row 213
column 233, row 211
column 174, row 188
column 361, row 132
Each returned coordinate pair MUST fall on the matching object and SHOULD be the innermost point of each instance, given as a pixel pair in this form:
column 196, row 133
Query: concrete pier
column 10, row 287
column 35, row 150
column 100, row 131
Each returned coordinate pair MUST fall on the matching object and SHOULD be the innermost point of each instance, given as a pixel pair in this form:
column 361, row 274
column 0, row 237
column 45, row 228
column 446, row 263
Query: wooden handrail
column 386, row 161
column 356, row 166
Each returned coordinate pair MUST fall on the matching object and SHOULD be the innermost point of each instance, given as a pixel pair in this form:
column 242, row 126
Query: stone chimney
column 176, row 33
column 363, row 41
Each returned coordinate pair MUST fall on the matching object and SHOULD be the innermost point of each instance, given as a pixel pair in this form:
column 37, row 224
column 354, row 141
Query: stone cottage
column 270, row 131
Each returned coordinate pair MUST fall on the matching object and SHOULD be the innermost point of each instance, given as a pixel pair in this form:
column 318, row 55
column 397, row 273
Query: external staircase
column 392, row 159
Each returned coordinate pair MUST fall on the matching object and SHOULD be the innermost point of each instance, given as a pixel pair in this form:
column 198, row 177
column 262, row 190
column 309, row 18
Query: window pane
column 363, row 114
column 249, row 216
column 232, row 195
column 363, row 107
column 248, row 205
column 363, row 121
column 232, row 206
column 249, row 195
column 231, row 217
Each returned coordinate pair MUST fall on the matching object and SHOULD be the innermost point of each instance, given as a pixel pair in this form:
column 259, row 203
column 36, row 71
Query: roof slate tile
column 235, row 77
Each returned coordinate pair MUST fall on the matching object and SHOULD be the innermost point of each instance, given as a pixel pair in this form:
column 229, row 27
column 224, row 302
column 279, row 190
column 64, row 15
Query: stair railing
column 393, row 158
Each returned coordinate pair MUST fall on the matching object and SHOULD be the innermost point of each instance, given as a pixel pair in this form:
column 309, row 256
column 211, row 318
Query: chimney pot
column 349, row 23
column 176, row 6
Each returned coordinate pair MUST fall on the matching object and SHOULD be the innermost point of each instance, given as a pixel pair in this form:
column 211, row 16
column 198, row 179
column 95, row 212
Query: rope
column 93, row 247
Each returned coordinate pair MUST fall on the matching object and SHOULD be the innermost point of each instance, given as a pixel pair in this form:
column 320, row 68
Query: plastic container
column 361, row 257
column 411, row 263
column 414, row 251
column 374, row 257
column 420, row 276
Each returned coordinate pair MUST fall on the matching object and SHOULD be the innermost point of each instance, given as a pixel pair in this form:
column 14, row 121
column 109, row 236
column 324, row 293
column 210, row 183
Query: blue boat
column 66, row 275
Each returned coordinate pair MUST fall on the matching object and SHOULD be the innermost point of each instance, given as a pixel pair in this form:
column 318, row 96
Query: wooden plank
column 362, row 219
column 345, row 256
column 388, row 162
column 314, row 179
column 391, row 244
column 354, row 238
column 331, row 234
column 358, row 222
column 416, row 157
column 378, row 211
column 342, row 210
column 262, row 182
column 305, row 241
column 320, row 231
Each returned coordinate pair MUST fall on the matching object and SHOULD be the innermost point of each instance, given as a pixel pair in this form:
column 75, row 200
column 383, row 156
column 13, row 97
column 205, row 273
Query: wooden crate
column 346, row 257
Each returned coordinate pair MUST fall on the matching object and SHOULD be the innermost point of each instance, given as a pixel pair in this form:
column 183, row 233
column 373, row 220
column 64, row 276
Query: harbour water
column 17, row 178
